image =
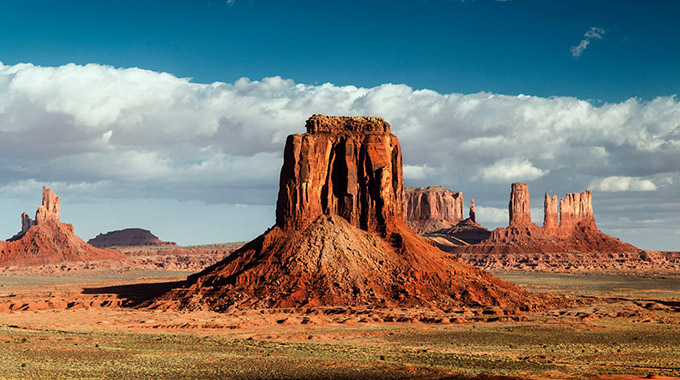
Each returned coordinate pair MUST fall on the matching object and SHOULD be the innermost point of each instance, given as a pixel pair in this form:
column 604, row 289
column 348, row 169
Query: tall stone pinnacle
column 519, row 206
column 550, row 213
column 473, row 213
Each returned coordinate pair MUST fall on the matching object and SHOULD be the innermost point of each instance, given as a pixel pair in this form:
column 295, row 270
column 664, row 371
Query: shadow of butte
column 136, row 294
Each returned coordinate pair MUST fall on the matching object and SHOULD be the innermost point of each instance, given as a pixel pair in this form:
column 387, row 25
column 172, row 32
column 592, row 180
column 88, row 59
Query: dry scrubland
column 631, row 327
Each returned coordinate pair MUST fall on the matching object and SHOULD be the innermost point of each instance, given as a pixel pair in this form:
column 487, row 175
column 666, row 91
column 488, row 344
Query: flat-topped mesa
column 519, row 207
column 433, row 208
column 550, row 213
column 346, row 166
column 49, row 210
column 347, row 125
column 576, row 209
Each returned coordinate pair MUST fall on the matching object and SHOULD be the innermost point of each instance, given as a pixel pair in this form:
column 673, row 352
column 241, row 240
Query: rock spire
column 519, row 207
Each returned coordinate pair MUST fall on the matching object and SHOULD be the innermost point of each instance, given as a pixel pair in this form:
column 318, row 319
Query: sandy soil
column 418, row 343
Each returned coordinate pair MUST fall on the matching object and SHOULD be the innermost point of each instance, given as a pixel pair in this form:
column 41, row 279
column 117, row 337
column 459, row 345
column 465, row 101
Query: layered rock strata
column 46, row 240
column 433, row 208
column 340, row 238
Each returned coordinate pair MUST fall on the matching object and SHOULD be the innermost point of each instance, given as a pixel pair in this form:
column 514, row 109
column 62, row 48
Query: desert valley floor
column 84, row 324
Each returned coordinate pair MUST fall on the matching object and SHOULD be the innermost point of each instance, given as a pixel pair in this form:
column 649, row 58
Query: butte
column 340, row 238
column 46, row 240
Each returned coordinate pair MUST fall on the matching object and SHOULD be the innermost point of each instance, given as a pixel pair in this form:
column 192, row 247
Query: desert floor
column 80, row 325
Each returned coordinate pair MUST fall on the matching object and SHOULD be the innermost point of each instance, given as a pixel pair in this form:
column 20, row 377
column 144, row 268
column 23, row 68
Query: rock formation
column 473, row 212
column 550, row 213
column 347, row 166
column 433, row 208
column 340, row 237
column 570, row 242
column 577, row 209
column 129, row 237
column 519, row 207
column 47, row 240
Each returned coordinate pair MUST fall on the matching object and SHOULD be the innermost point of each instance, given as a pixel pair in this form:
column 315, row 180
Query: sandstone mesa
column 340, row 237
column 129, row 237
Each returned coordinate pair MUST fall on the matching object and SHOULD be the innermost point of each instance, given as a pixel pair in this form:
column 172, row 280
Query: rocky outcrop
column 568, row 241
column 550, row 213
column 577, row 209
column 340, row 238
column 129, row 237
column 346, row 166
column 433, row 208
column 473, row 212
column 519, row 206
column 26, row 223
column 46, row 240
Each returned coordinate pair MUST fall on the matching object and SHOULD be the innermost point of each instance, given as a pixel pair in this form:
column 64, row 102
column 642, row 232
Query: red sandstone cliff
column 46, row 240
column 340, row 237
column 433, row 208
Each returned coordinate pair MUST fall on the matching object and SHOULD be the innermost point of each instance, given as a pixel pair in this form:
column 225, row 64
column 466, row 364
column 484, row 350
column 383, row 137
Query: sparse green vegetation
column 546, row 345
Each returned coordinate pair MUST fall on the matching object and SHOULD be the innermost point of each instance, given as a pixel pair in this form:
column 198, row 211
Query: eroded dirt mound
column 334, row 263
column 129, row 237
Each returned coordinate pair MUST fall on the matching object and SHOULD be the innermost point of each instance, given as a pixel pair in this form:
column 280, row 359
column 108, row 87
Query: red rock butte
column 433, row 208
column 340, row 238
column 569, row 238
column 46, row 240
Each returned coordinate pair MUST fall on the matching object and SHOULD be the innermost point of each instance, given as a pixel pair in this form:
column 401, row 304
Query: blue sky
column 171, row 115
column 507, row 47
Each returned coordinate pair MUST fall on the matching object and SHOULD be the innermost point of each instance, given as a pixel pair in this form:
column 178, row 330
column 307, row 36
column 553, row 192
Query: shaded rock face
column 519, row 207
column 433, row 208
column 46, row 240
column 346, row 166
column 129, row 237
column 340, row 237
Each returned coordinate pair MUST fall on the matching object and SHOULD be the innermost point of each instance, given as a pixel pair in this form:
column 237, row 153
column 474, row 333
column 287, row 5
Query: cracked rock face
column 433, row 208
column 346, row 166
column 519, row 207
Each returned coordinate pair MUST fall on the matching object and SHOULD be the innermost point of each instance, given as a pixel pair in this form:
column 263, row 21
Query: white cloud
column 492, row 215
column 622, row 183
column 511, row 170
column 140, row 133
column 415, row 172
column 592, row 33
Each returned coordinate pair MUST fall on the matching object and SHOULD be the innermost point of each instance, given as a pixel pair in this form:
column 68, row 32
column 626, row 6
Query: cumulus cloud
column 622, row 183
column 592, row 33
column 512, row 170
column 139, row 133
